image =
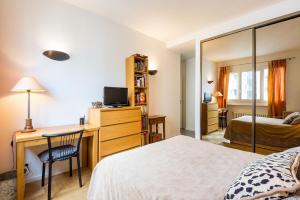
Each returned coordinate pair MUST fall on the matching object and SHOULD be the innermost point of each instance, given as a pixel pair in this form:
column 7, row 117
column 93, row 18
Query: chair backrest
column 224, row 112
column 66, row 140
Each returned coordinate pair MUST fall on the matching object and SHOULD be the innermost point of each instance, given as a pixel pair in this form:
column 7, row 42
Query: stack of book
column 140, row 80
column 144, row 110
column 144, row 123
column 140, row 98
column 140, row 66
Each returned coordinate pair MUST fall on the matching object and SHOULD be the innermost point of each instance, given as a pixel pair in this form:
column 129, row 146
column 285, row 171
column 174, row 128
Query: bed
column 270, row 132
column 177, row 168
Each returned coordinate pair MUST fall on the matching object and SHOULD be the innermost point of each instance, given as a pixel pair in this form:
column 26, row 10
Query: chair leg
column 43, row 174
column 70, row 161
column 79, row 170
column 49, row 180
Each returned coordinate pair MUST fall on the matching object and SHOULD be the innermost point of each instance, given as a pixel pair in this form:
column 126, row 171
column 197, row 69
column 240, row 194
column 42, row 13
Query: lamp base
column 28, row 126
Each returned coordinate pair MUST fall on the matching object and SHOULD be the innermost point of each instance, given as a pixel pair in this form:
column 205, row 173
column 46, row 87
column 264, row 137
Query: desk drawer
column 120, row 144
column 212, row 121
column 120, row 116
column 213, row 106
column 212, row 114
column 119, row 130
column 212, row 128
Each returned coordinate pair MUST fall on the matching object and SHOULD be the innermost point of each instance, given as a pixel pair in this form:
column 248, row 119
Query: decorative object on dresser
column 156, row 120
column 97, row 104
column 29, row 85
column 137, row 82
column 120, row 129
column 209, row 118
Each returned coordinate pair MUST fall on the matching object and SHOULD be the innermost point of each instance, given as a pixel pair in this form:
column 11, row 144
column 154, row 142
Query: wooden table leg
column 150, row 133
column 95, row 149
column 84, row 152
column 20, row 171
column 164, row 130
column 93, row 144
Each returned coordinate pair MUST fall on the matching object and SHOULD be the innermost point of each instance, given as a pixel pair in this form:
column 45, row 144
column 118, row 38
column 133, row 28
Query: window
column 240, row 85
column 247, row 85
column 233, row 87
column 266, row 74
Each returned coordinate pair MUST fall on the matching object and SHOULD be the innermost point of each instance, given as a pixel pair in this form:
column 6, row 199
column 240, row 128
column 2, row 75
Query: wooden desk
column 89, row 147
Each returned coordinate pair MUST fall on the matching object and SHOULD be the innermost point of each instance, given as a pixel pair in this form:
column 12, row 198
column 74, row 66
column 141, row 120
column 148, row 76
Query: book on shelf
column 145, row 123
column 140, row 66
column 140, row 80
column 140, row 98
column 144, row 110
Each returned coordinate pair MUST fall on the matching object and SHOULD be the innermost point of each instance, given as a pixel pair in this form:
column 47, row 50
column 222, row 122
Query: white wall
column 209, row 72
column 98, row 48
column 189, row 95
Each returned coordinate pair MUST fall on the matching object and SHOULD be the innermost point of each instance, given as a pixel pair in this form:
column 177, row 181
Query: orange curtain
column 277, row 88
column 223, row 86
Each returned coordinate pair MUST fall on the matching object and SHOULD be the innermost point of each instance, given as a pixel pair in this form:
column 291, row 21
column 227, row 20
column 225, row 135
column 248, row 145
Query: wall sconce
column 56, row 55
column 210, row 82
column 152, row 71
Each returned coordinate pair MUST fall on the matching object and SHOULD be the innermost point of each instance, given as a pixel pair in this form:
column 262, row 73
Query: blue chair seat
column 58, row 153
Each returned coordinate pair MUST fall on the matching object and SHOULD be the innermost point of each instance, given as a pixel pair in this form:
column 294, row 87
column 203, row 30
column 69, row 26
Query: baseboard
column 8, row 175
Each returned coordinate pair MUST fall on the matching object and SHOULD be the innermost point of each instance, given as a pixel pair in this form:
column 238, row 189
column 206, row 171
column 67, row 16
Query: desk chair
column 69, row 147
column 223, row 118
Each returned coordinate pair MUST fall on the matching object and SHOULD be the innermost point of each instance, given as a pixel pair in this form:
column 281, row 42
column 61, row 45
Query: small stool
column 156, row 120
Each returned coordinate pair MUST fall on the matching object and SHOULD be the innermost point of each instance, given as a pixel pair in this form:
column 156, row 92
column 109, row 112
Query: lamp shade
column 28, row 84
column 219, row 94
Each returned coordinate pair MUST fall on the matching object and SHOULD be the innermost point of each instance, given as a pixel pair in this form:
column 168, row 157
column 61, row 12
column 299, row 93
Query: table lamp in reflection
column 218, row 94
column 28, row 85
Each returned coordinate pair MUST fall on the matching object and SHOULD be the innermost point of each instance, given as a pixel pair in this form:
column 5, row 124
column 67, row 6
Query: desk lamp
column 28, row 85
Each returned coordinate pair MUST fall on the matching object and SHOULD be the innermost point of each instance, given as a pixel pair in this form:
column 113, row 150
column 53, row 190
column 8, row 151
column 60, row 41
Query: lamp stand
column 28, row 122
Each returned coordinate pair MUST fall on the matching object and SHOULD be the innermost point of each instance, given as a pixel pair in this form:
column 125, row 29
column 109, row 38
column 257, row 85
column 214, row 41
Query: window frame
column 246, row 68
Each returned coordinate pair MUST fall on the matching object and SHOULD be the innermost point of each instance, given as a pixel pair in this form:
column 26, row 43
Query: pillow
column 271, row 177
column 296, row 121
column 289, row 119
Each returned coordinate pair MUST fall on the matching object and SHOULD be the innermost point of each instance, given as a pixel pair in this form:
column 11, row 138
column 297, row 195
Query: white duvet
column 262, row 120
column 177, row 168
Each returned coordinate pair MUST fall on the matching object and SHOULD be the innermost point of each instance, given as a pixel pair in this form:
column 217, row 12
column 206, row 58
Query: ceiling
column 272, row 39
column 168, row 20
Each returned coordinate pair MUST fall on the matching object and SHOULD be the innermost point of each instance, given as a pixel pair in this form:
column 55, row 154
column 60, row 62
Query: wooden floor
column 64, row 187
column 217, row 137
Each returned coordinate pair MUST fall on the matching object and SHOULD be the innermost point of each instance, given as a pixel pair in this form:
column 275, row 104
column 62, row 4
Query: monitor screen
column 115, row 96
column 207, row 97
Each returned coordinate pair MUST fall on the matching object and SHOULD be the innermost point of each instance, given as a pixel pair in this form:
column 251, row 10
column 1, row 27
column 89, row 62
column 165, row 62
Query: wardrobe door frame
column 253, row 28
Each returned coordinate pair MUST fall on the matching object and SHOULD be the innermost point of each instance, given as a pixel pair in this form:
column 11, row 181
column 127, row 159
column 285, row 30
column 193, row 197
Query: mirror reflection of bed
column 227, row 76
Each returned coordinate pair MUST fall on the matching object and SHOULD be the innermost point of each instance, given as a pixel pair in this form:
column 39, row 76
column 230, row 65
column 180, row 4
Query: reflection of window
column 240, row 84
column 266, row 74
column 233, row 88
column 247, row 85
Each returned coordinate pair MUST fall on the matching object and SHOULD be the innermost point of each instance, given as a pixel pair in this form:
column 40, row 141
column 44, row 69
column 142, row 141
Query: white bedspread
column 262, row 120
column 177, row 168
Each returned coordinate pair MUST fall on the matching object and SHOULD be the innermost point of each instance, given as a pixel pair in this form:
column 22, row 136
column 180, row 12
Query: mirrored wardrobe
column 251, row 88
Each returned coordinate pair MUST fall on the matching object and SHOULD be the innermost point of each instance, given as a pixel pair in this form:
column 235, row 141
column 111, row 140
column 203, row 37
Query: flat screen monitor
column 115, row 96
column 207, row 97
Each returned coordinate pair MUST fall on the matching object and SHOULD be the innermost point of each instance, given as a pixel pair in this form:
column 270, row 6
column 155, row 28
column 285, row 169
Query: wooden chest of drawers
column 210, row 118
column 120, row 129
